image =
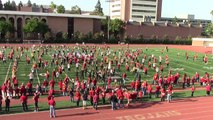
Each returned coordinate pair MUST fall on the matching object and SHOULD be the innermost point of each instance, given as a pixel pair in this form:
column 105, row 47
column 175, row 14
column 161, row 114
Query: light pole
column 109, row 1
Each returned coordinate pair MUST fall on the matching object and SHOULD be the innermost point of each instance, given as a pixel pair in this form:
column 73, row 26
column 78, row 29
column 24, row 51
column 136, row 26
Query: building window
column 146, row 11
column 116, row 11
column 141, row 5
column 136, row 16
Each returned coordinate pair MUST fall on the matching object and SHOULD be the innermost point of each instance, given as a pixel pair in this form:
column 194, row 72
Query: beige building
column 136, row 10
column 66, row 23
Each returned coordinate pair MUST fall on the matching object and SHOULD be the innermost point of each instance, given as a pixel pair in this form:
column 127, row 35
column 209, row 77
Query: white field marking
column 7, row 72
column 37, row 76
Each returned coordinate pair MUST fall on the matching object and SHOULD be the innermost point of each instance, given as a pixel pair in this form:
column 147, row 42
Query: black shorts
column 208, row 92
column 36, row 104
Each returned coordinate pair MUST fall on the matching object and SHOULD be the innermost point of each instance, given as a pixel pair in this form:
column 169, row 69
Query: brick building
column 67, row 23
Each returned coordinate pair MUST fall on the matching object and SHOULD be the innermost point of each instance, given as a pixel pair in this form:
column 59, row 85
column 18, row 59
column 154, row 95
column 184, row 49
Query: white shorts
column 84, row 102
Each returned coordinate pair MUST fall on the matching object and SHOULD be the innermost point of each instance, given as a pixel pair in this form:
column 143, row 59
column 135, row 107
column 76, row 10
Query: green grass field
column 180, row 65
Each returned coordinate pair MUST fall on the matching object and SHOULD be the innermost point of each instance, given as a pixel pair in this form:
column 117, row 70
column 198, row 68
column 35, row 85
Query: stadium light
column 109, row 1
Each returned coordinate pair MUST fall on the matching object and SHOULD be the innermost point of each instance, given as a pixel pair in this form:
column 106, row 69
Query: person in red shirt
column 22, row 89
column 91, row 94
column 52, row 104
column 4, row 90
column 78, row 97
column 23, row 100
column 169, row 95
column 120, row 96
column 103, row 95
column 188, row 80
column 157, row 91
column 193, row 90
column 95, row 101
column 197, row 77
column 140, row 95
column 35, row 98
column 149, row 91
column 44, row 85
column 208, row 89
column 30, row 88
column 52, row 84
column 60, row 84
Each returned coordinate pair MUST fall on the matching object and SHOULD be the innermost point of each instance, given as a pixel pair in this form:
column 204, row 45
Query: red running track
column 181, row 109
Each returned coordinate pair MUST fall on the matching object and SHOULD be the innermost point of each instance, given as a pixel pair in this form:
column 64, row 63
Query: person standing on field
column 52, row 104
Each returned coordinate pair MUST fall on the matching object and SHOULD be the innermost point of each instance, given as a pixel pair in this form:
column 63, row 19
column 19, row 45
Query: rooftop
column 3, row 12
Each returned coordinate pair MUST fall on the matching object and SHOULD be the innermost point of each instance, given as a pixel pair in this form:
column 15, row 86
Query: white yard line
column 37, row 76
column 7, row 72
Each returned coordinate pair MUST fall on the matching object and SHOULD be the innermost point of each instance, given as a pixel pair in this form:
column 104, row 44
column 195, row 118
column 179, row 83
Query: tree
column 20, row 5
column 29, row 4
column 34, row 27
column 75, row 10
column 212, row 12
column 7, row 5
column 117, row 27
column 6, row 27
column 1, row 5
column 53, row 6
column 98, row 9
column 8, row 35
column 60, row 9
column 175, row 20
column 65, row 35
column 209, row 30
column 34, row 5
column 13, row 5
column 48, row 36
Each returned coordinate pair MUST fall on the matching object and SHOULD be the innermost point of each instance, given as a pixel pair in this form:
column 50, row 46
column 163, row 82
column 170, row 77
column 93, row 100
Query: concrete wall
column 83, row 25
column 172, row 31
column 159, row 10
column 58, row 24
column 208, row 42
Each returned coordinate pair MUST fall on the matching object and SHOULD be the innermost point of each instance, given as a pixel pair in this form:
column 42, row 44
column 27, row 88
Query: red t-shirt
column 23, row 98
column 51, row 102
column 36, row 98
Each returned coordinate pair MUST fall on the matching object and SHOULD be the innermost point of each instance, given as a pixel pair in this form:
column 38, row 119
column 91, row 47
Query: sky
column 170, row 8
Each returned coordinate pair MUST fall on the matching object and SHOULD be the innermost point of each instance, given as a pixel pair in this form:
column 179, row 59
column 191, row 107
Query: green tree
column 48, row 36
column 13, row 5
column 1, row 5
column 75, row 10
column 8, row 35
column 29, row 4
column 98, row 9
column 212, row 12
column 65, row 35
column 175, row 20
column 7, row 5
column 60, row 9
column 53, row 6
column 6, row 26
column 117, row 27
column 34, row 5
column 34, row 27
column 209, row 30
column 20, row 5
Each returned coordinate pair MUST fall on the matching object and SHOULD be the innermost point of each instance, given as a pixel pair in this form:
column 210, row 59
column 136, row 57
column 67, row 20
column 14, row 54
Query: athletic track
column 181, row 109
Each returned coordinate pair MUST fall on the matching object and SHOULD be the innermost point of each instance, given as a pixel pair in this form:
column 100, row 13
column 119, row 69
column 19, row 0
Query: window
column 146, row 11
